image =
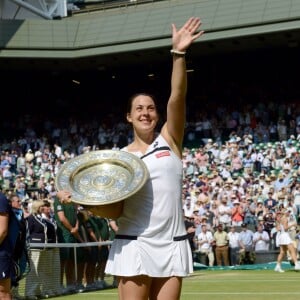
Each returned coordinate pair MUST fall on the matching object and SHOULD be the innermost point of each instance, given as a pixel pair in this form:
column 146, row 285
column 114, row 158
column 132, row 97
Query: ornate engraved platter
column 102, row 177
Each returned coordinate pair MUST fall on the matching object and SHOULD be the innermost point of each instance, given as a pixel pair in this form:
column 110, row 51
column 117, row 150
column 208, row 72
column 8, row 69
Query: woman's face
column 143, row 114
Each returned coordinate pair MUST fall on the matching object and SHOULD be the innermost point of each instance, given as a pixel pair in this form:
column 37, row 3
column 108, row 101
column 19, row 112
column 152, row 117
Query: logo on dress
column 162, row 154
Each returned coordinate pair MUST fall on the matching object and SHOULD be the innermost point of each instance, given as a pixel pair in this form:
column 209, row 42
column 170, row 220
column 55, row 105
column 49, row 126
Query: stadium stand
column 68, row 67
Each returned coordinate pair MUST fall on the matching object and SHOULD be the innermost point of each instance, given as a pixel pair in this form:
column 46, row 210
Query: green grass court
column 224, row 285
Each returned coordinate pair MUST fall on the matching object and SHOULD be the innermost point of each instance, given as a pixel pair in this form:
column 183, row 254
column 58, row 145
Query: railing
column 91, row 6
column 44, row 278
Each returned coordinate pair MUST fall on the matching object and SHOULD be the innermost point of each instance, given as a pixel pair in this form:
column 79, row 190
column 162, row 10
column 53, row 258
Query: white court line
column 240, row 293
column 248, row 280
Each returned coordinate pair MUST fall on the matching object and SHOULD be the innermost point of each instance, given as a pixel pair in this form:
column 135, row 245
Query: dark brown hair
column 130, row 100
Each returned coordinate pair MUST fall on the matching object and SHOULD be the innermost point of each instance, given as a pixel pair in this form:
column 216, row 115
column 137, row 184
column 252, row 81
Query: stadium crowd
column 240, row 169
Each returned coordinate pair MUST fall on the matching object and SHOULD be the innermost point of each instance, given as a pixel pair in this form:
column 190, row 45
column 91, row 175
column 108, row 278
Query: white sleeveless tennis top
column 151, row 220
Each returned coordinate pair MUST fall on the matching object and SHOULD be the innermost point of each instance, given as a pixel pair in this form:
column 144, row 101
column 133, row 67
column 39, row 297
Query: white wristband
column 177, row 53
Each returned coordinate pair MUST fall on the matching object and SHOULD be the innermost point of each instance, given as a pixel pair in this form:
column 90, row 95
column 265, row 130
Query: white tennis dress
column 282, row 237
column 150, row 221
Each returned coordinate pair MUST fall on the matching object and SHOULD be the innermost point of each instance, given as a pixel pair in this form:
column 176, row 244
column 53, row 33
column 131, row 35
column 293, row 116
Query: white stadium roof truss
column 47, row 9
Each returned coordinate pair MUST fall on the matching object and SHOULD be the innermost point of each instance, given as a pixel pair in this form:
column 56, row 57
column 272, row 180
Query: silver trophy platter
column 102, row 177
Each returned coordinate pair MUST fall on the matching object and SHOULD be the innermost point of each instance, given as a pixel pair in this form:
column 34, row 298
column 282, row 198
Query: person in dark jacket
column 40, row 232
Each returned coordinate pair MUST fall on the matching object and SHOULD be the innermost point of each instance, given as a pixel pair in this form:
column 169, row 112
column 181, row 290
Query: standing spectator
column 261, row 239
column 40, row 260
column 6, row 263
column 247, row 255
column 103, row 227
column 88, row 259
column 67, row 232
column 233, row 239
column 51, row 277
column 16, row 205
column 205, row 244
column 222, row 253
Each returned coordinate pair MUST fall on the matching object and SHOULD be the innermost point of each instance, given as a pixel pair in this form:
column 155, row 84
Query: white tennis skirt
column 155, row 258
column 283, row 238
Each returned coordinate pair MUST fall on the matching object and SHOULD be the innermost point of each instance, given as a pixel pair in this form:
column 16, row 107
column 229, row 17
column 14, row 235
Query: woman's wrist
column 177, row 53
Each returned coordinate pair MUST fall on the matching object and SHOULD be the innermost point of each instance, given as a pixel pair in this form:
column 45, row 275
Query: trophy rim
column 102, row 177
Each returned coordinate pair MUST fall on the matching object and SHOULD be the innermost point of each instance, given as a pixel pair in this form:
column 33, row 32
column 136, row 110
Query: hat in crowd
column 236, row 201
column 260, row 218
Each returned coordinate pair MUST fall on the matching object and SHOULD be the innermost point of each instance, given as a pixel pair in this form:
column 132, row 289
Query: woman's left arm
column 173, row 130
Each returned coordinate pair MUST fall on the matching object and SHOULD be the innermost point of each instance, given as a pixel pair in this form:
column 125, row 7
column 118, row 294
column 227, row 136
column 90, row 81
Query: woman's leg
column 165, row 288
column 292, row 252
column 136, row 287
column 283, row 249
column 144, row 288
column 282, row 253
